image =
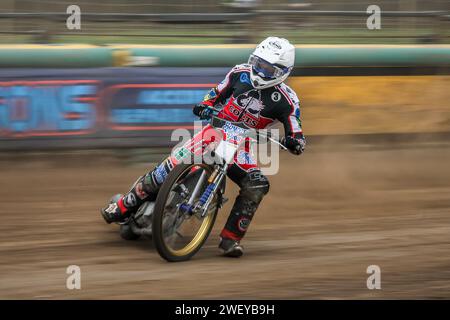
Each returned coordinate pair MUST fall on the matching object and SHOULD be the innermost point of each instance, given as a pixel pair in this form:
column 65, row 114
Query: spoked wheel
column 178, row 235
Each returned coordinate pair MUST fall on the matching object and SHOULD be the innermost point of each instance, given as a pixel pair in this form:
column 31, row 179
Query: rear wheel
column 127, row 233
column 178, row 236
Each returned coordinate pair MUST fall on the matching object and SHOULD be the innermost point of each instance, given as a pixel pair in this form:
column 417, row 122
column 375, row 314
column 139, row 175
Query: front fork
column 214, row 182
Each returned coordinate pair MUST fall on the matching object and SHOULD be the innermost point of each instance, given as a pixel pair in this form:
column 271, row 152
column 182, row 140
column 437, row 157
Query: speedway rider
column 253, row 93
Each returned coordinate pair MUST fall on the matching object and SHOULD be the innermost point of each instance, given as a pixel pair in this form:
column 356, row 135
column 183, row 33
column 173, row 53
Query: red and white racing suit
column 241, row 103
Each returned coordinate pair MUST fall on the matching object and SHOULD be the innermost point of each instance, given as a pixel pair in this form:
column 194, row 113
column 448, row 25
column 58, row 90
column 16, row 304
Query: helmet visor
column 266, row 70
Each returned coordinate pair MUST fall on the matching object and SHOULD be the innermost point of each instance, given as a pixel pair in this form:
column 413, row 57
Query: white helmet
column 272, row 61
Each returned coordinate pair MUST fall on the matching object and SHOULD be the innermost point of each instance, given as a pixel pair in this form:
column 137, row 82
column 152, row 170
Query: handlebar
column 266, row 134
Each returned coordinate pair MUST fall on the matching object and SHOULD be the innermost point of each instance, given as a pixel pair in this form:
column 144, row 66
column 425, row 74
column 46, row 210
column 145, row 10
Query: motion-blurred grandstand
column 224, row 21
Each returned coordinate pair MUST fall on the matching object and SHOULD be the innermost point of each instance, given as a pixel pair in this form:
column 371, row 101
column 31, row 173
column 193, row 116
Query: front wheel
column 177, row 235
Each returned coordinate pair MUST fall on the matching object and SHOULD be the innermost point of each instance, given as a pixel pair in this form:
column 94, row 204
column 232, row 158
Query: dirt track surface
column 330, row 214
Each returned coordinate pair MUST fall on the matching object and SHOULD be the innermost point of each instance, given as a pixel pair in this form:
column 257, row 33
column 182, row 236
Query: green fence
column 218, row 56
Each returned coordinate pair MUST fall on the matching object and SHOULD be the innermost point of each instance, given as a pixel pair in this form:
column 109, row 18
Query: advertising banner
column 104, row 107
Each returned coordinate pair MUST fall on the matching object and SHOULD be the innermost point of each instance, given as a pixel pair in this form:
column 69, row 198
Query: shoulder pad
column 290, row 93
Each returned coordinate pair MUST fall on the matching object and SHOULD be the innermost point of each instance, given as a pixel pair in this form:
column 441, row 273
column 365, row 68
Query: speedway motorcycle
column 182, row 216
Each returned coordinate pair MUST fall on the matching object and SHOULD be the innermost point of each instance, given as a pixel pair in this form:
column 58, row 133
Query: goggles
column 266, row 70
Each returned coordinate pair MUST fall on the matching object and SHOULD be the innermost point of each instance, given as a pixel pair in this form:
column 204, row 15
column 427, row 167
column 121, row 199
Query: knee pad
column 254, row 186
column 149, row 184
column 155, row 178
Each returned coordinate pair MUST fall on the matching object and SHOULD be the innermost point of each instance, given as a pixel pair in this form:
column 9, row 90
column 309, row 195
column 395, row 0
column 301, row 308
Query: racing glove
column 295, row 146
column 204, row 112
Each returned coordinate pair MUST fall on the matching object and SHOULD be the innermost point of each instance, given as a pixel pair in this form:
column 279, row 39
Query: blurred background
column 84, row 112
column 232, row 21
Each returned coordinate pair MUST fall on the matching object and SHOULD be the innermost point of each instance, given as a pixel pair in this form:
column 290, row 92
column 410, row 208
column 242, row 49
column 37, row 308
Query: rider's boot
column 231, row 248
column 120, row 210
column 251, row 193
column 240, row 216
column 143, row 190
